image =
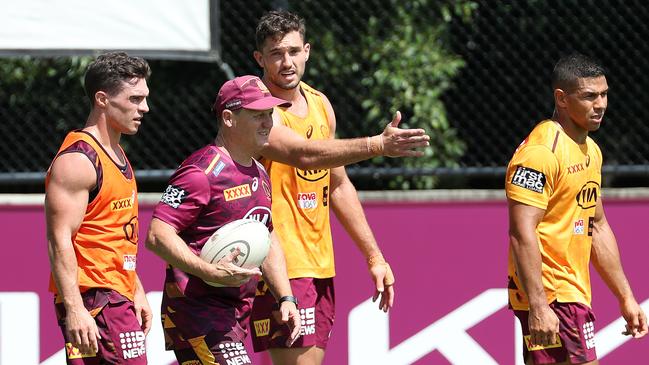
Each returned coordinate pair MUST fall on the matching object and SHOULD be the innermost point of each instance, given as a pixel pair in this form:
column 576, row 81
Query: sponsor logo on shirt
column 219, row 167
column 309, row 132
column 579, row 227
column 132, row 344
column 587, row 195
column 529, row 179
column 312, row 175
column 74, row 353
column 237, row 192
column 261, row 214
column 307, row 200
column 255, row 184
column 262, row 327
column 307, row 315
column 131, row 230
column 532, row 347
column 266, row 188
column 121, row 204
column 130, row 262
column 576, row 168
column 173, row 196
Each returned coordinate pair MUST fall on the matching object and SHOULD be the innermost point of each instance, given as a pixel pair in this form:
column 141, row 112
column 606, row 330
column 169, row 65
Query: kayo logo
column 369, row 335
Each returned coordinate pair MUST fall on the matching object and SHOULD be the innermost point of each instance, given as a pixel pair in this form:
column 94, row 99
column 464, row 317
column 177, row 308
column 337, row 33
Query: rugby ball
column 249, row 235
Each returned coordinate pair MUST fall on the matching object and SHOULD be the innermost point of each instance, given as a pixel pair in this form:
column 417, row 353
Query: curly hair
column 109, row 70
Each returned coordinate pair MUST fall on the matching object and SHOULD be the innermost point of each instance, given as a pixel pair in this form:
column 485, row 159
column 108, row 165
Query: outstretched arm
column 275, row 275
column 348, row 210
column 524, row 244
column 286, row 146
column 72, row 176
column 606, row 259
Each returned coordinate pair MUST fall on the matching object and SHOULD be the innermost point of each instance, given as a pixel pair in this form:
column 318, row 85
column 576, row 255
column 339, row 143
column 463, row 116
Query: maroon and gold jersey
column 106, row 243
column 550, row 171
column 207, row 191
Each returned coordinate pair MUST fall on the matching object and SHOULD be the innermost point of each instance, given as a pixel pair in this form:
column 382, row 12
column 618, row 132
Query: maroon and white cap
column 247, row 92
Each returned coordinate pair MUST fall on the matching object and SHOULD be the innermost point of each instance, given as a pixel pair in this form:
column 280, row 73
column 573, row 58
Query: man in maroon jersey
column 203, row 322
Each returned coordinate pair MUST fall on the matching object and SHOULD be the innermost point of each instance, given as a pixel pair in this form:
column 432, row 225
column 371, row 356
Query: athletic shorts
column 576, row 331
column 122, row 338
column 214, row 348
column 316, row 305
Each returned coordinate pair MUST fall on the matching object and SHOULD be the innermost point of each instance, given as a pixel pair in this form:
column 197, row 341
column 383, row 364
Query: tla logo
column 587, row 195
column 312, row 175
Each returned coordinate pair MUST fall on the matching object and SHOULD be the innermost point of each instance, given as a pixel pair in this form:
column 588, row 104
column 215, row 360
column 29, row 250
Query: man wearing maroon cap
column 206, row 324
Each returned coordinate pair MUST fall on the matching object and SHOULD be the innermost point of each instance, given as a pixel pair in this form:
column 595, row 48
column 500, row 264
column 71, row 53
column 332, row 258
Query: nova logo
column 262, row 327
column 121, row 204
column 237, row 192
column 307, row 200
column 312, row 175
column 587, row 195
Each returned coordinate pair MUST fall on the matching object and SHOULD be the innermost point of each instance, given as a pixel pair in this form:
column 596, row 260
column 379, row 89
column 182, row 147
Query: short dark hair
column 572, row 67
column 276, row 24
column 109, row 70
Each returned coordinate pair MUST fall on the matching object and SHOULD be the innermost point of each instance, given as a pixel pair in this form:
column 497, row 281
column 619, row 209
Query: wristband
column 288, row 298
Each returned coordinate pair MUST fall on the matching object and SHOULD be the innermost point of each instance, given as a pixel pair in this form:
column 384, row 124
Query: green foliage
column 400, row 62
column 49, row 84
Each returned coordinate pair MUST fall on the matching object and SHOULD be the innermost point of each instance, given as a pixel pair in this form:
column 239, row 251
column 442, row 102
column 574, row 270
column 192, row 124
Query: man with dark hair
column 306, row 167
column 557, row 224
column 219, row 183
column 92, row 221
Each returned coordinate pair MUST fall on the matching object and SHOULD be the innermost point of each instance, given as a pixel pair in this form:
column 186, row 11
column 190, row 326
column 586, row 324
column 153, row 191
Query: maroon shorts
column 214, row 348
column 316, row 304
column 576, row 331
column 122, row 338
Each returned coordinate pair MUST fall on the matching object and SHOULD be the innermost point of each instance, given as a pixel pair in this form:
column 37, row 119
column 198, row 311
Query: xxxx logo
column 237, row 192
column 121, row 204
column 575, row 168
column 262, row 327
column 74, row 353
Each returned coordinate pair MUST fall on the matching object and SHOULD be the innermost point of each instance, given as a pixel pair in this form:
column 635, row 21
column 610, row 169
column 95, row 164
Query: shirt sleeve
column 531, row 176
column 184, row 198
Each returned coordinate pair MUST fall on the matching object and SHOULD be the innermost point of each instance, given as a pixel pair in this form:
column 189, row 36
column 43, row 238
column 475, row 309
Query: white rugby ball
column 249, row 235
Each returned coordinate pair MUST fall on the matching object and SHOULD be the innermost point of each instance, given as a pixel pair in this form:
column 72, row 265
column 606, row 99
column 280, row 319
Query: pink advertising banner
column 449, row 259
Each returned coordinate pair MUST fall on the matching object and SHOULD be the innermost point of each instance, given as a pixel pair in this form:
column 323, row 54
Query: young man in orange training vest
column 557, row 224
column 92, row 221
column 306, row 167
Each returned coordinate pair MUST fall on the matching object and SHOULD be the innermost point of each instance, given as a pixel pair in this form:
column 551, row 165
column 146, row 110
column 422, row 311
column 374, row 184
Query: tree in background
column 397, row 58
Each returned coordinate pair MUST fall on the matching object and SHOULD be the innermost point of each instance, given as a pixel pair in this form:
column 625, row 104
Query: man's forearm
column 605, row 256
column 528, row 261
column 349, row 211
column 274, row 271
column 65, row 273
